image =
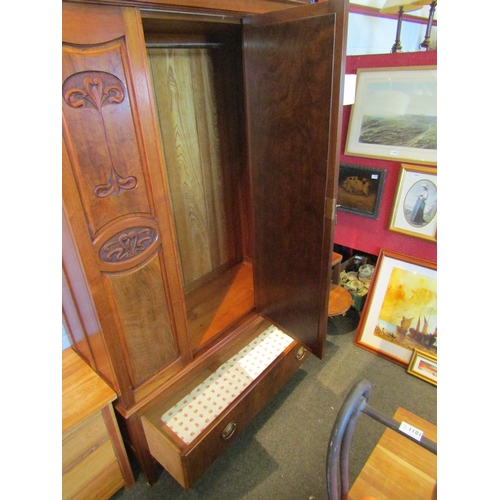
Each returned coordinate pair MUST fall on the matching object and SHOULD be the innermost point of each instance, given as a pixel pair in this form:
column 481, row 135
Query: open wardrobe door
column 294, row 64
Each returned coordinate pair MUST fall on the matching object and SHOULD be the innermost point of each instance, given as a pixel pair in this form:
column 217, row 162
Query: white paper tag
column 411, row 431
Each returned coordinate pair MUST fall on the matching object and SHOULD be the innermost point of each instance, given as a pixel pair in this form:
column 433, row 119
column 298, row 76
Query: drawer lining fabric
column 190, row 416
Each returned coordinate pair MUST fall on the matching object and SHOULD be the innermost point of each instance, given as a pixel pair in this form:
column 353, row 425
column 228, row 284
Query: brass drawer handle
column 300, row 354
column 229, row 430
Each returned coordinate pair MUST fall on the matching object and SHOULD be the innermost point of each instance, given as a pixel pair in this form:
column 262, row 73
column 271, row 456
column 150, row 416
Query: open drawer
column 186, row 433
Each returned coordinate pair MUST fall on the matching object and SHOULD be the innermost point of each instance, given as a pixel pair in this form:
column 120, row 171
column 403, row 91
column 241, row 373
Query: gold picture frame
column 423, row 365
column 414, row 212
column 394, row 115
column 400, row 313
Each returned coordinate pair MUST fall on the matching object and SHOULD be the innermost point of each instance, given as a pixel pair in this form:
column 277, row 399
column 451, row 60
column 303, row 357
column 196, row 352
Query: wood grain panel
column 174, row 95
column 105, row 485
column 115, row 437
column 222, row 7
column 79, row 311
column 143, row 314
column 202, row 73
column 229, row 97
column 76, row 478
column 289, row 69
column 83, row 392
column 167, row 453
column 77, row 445
column 106, row 159
column 201, row 182
column 219, row 303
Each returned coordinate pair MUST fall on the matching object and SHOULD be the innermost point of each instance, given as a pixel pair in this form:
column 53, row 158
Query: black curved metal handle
column 340, row 439
column 356, row 403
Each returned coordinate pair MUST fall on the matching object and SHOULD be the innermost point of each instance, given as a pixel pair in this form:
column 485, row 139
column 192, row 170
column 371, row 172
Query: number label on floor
column 411, row 431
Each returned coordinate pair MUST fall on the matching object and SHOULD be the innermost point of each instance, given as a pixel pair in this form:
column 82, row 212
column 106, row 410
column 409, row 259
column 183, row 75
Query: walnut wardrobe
column 200, row 159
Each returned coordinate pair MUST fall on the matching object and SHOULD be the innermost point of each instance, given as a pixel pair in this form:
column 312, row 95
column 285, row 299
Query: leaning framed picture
column 423, row 365
column 394, row 115
column 415, row 205
column 360, row 190
column 400, row 313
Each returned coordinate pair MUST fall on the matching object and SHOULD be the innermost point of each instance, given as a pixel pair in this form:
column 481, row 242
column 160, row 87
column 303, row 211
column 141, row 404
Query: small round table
column 340, row 300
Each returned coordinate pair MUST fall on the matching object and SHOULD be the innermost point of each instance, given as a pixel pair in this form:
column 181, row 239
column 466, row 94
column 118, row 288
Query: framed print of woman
column 415, row 205
column 417, row 214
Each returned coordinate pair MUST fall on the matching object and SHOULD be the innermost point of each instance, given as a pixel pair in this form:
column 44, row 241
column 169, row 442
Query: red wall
column 369, row 235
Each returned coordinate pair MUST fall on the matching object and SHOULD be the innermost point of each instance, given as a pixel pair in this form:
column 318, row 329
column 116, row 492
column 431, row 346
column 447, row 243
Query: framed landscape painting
column 394, row 115
column 400, row 314
column 415, row 205
column 423, row 365
column 360, row 190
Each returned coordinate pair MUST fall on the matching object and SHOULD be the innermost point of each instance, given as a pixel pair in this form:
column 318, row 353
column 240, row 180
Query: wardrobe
column 200, row 161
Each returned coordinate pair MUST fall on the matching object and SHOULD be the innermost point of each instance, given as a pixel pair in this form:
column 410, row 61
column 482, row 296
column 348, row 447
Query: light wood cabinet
column 200, row 157
column 94, row 461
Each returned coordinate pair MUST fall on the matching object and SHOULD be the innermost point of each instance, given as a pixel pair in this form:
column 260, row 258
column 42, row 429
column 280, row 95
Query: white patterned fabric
column 202, row 405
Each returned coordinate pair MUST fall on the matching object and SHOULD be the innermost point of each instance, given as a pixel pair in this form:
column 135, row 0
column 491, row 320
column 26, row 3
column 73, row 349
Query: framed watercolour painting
column 400, row 314
column 360, row 190
column 394, row 115
column 415, row 205
column 423, row 365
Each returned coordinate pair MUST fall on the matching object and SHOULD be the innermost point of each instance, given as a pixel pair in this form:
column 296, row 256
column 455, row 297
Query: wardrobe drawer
column 187, row 437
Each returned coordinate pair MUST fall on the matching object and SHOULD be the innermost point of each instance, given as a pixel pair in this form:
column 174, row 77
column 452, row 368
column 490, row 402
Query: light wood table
column 340, row 300
column 398, row 468
column 94, row 461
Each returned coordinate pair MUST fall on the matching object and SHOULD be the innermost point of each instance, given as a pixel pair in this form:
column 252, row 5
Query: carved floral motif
column 94, row 93
column 127, row 244
column 97, row 89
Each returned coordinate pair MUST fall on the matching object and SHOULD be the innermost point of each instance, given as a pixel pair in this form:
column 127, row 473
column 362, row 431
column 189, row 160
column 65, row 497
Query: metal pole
column 340, row 439
column 394, row 425
column 427, row 40
column 397, row 44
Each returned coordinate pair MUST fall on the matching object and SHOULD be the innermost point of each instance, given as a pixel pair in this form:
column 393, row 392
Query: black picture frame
column 360, row 189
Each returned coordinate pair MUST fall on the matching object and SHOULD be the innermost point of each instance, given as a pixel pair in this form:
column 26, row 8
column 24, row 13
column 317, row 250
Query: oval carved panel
column 127, row 244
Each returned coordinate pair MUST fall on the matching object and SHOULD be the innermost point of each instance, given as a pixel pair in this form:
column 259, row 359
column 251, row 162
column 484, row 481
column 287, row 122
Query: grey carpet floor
column 282, row 454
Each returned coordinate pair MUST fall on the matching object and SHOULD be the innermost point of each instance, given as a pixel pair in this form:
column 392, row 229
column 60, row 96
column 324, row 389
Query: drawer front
column 235, row 419
column 103, row 486
column 81, row 476
column 83, row 441
column 187, row 463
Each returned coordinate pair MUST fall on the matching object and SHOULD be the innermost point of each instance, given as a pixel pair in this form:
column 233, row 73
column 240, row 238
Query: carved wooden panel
column 127, row 244
column 143, row 314
column 115, row 197
column 194, row 118
column 98, row 109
